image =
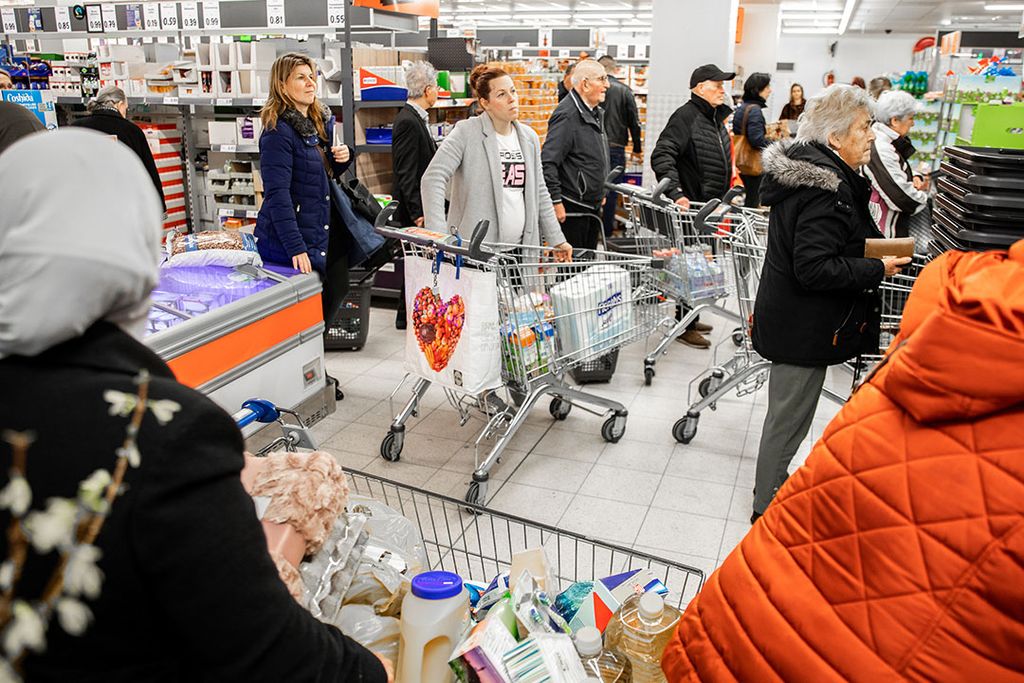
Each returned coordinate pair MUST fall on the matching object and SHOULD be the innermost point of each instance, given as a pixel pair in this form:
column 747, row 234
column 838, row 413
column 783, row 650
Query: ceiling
column 926, row 16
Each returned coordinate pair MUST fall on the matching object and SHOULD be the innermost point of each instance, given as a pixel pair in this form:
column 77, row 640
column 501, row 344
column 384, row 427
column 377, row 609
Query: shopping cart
column 476, row 542
column 548, row 322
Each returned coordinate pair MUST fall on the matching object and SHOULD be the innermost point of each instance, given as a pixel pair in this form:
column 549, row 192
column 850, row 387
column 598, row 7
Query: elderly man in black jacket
column 695, row 152
column 621, row 123
column 575, row 156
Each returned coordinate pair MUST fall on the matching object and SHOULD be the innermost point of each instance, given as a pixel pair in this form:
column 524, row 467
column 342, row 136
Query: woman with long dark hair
column 748, row 120
column 795, row 106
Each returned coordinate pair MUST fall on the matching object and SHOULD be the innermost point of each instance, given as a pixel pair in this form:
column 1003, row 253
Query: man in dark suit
column 412, row 148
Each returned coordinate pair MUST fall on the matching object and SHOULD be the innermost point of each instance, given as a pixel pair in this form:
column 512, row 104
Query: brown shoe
column 703, row 328
column 695, row 339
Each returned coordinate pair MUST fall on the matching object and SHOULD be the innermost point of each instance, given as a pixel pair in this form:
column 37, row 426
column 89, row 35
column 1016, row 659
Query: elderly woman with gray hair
column 896, row 193
column 107, row 114
column 816, row 303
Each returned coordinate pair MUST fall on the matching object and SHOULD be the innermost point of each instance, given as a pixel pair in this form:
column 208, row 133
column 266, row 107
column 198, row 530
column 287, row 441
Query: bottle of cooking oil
column 641, row 630
column 607, row 666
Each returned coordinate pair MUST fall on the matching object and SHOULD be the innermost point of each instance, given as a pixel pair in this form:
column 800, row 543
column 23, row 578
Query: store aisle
column 689, row 503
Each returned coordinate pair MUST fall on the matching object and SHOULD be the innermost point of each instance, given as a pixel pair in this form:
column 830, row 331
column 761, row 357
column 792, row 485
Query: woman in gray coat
column 492, row 164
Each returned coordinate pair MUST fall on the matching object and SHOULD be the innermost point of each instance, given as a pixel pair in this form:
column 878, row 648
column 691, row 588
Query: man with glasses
column 695, row 152
column 575, row 156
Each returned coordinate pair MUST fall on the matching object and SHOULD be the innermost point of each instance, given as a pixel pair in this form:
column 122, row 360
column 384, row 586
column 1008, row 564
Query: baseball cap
column 709, row 72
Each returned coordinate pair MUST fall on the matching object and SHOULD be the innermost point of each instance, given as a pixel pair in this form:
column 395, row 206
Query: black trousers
column 752, row 185
column 335, row 279
column 581, row 231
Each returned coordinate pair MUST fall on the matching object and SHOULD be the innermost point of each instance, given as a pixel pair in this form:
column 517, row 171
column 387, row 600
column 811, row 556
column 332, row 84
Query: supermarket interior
column 512, row 341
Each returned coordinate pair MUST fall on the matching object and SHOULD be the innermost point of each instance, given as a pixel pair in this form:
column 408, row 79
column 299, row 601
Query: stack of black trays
column 980, row 201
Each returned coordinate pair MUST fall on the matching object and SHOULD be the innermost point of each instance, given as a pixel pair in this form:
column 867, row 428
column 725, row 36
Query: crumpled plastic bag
column 376, row 633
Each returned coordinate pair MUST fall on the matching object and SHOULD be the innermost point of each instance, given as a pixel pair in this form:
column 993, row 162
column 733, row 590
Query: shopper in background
column 859, row 82
column 565, row 85
column 817, row 303
column 879, row 85
column 575, row 156
column 5, row 81
column 412, row 148
column 184, row 560
column 108, row 112
column 796, row 104
column 15, row 123
column 621, row 123
column 756, row 90
column 695, row 153
column 492, row 151
column 297, row 225
column 895, row 552
column 897, row 193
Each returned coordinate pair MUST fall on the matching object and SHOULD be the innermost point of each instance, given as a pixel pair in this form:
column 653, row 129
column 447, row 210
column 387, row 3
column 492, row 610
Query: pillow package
column 214, row 248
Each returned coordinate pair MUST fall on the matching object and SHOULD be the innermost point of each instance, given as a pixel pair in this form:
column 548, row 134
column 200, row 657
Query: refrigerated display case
column 241, row 333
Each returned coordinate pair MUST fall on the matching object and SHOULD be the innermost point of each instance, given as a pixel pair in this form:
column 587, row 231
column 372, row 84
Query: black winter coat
column 694, row 151
column 110, row 122
column 411, row 151
column 190, row 592
column 621, row 119
column 817, row 301
column 575, row 153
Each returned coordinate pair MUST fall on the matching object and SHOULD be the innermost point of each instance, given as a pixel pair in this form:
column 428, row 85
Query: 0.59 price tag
column 275, row 13
column 168, row 16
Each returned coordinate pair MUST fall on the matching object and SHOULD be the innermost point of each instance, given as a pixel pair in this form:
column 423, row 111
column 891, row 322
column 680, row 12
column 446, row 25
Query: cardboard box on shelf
column 223, row 132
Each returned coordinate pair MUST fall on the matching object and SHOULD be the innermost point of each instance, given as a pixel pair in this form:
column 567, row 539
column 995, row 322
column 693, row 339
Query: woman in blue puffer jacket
column 294, row 227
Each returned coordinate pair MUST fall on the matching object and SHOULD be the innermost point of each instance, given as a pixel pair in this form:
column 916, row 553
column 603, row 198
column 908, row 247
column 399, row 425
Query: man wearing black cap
column 694, row 151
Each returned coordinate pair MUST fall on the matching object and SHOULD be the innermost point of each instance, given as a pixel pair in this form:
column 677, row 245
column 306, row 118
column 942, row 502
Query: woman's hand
column 920, row 183
column 563, row 253
column 892, row 264
column 341, row 153
column 388, row 667
column 301, row 263
column 560, row 212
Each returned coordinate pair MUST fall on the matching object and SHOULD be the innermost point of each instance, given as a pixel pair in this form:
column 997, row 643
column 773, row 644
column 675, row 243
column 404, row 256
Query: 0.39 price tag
column 275, row 14
column 93, row 19
column 189, row 16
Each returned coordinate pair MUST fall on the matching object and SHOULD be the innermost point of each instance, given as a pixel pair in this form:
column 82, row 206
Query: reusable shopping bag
column 453, row 324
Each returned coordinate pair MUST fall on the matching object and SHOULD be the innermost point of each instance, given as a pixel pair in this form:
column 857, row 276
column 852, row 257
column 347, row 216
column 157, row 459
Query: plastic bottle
column 434, row 617
column 607, row 666
column 640, row 630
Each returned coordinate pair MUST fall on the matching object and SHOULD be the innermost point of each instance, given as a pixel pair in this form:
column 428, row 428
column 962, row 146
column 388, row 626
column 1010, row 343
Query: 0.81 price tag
column 189, row 16
column 336, row 13
column 211, row 14
column 168, row 16
column 275, row 13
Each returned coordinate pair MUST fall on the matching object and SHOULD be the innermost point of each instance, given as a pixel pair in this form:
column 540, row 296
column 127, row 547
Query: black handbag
column 363, row 201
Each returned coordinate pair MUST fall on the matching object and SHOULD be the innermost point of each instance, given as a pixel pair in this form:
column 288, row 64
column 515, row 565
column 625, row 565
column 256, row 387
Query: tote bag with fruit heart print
column 452, row 336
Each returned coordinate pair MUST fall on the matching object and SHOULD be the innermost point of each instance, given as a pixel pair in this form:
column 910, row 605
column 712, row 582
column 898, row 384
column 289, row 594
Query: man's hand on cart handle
column 563, row 253
column 683, row 202
column 560, row 212
column 419, row 222
column 892, row 264
column 388, row 667
column 301, row 263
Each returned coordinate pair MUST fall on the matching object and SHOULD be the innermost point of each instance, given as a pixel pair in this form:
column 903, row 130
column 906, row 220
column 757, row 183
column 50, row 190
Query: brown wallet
column 881, row 248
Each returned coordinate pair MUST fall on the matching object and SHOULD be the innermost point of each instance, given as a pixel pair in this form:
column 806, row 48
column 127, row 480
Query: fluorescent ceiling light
column 847, row 13
column 811, row 7
column 811, row 24
column 817, row 31
column 786, row 16
column 1000, row 8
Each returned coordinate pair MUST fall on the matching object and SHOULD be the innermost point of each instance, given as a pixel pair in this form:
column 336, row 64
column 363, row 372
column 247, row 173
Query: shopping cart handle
column 658, row 193
column 613, row 174
column 256, row 410
column 732, row 194
column 476, row 241
column 699, row 221
column 384, row 217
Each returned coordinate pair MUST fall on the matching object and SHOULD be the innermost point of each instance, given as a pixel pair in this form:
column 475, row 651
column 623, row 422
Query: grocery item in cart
column 641, row 630
column 214, row 248
column 435, row 615
column 593, row 309
column 607, row 666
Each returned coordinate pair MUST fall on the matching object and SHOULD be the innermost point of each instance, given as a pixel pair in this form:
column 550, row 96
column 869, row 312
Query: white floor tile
column 631, row 455
column 585, row 447
column 539, row 504
column 626, row 486
column 694, row 463
column 734, row 533
column 694, row 496
column 553, row 473
column 682, row 532
column 596, row 518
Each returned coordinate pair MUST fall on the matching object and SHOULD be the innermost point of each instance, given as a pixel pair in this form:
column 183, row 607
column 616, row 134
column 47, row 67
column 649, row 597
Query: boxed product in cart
column 593, row 309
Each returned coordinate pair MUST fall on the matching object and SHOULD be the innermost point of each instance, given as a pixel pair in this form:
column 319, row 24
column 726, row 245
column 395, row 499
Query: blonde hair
column 278, row 100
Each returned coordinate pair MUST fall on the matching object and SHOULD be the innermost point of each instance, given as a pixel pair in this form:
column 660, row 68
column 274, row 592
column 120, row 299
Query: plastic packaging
column 641, row 630
column 375, row 633
column 328, row 575
column 214, row 248
column 435, row 615
column 605, row 665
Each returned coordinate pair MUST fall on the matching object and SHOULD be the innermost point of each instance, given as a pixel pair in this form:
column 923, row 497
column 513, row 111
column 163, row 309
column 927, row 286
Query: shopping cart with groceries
column 471, row 540
column 552, row 316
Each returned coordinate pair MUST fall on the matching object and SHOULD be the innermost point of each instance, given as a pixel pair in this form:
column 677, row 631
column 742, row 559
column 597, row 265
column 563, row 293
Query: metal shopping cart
column 476, row 542
column 549, row 323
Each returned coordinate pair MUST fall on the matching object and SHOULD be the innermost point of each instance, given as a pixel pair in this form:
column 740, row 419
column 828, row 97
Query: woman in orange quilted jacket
column 897, row 551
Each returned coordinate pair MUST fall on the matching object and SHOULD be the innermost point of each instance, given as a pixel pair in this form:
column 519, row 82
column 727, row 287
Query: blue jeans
column 616, row 157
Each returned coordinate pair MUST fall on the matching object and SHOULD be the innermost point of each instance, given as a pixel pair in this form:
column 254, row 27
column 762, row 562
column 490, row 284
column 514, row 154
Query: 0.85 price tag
column 275, row 14
column 168, row 16
column 63, row 17
column 335, row 13
column 189, row 16
column 211, row 14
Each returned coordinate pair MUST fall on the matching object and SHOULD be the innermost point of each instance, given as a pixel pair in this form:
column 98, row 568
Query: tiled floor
column 688, row 503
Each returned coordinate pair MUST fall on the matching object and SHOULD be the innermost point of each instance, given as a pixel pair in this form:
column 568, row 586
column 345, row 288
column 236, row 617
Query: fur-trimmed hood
column 794, row 165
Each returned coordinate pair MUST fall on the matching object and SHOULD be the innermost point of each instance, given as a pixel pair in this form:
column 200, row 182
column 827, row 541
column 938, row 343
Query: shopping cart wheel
column 704, row 388
column 737, row 336
column 648, row 376
column 476, row 495
column 685, row 429
column 559, row 409
column 391, row 446
column 613, row 428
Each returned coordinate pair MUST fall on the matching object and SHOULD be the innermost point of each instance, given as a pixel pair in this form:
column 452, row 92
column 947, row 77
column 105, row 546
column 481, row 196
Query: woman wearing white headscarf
column 189, row 591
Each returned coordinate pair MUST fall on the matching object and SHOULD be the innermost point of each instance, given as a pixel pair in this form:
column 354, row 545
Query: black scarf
column 304, row 125
column 904, row 147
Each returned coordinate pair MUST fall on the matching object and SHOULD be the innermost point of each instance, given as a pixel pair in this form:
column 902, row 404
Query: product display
column 593, row 309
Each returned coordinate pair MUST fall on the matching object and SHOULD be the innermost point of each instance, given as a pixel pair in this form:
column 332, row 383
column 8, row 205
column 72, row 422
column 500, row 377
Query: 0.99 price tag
column 93, row 19
column 211, row 14
column 168, row 16
column 275, row 13
column 335, row 13
column 10, row 22
column 189, row 16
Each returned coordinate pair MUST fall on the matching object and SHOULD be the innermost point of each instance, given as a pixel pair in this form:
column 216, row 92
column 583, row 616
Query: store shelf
column 239, row 149
column 177, row 101
column 373, row 149
column 397, row 104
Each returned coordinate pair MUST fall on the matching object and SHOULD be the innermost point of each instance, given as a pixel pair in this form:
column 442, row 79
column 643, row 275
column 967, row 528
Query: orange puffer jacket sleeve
column 897, row 551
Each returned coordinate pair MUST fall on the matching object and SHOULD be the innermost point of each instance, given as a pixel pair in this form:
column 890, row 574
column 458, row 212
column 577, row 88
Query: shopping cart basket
column 480, row 543
column 551, row 320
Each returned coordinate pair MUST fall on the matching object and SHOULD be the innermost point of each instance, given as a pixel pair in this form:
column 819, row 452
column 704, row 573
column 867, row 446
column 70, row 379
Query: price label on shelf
column 63, row 17
column 275, row 14
column 109, row 14
column 564, row 53
column 335, row 13
column 228, row 148
column 224, row 101
column 259, row 101
column 189, row 16
column 151, row 16
column 93, row 19
column 252, row 214
column 168, row 16
column 10, row 23
column 517, row 53
column 211, row 14
column 170, row 100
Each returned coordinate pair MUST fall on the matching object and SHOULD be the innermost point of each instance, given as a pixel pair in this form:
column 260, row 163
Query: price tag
column 517, row 53
column 228, row 148
column 275, row 13
column 259, row 101
column 564, row 53
column 151, row 14
column 211, row 14
column 109, row 14
column 170, row 100
column 93, row 19
column 335, row 13
column 168, row 16
column 10, row 23
column 224, row 101
column 189, row 16
column 256, row 214
column 63, row 16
